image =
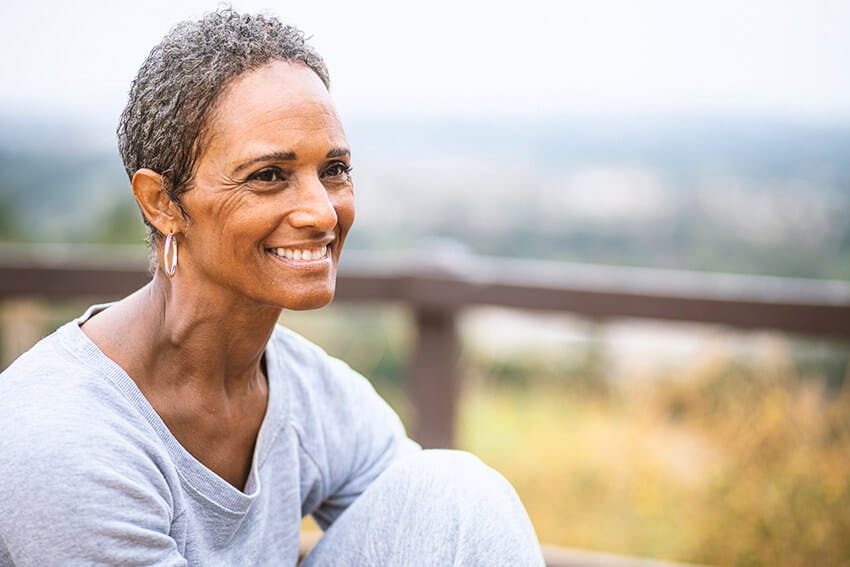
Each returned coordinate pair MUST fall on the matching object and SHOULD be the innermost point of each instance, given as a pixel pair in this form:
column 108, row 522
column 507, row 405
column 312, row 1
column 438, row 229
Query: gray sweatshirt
column 90, row 474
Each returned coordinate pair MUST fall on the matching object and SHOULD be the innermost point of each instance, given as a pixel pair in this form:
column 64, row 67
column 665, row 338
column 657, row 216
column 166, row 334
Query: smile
column 301, row 254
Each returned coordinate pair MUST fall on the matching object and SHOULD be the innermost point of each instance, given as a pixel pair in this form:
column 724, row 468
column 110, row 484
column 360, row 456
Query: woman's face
column 272, row 199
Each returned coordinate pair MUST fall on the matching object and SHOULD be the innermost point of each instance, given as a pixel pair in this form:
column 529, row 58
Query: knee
column 453, row 477
column 436, row 507
column 443, row 465
column 454, row 498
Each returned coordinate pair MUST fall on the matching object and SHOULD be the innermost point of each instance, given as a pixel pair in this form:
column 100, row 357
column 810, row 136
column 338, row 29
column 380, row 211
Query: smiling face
column 272, row 198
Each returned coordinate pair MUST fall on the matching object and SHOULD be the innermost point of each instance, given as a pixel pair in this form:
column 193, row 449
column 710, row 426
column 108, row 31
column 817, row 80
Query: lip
column 306, row 243
column 320, row 263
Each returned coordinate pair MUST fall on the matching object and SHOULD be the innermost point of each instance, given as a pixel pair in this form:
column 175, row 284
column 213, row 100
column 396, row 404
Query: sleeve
column 78, row 492
column 362, row 436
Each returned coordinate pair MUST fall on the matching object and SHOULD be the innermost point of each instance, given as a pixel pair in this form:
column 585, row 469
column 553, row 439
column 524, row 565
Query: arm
column 360, row 437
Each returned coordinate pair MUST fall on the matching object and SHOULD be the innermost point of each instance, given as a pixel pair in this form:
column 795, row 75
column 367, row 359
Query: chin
column 306, row 306
column 308, row 301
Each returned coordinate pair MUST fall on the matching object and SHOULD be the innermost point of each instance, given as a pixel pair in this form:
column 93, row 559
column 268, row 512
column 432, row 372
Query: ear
column 152, row 198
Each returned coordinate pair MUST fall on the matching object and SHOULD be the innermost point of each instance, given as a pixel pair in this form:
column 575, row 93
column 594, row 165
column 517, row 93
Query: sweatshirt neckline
column 195, row 474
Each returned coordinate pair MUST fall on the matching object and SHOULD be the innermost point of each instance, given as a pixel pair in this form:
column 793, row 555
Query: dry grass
column 728, row 465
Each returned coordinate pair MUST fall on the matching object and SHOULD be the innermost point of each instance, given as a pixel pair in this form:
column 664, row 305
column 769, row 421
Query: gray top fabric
column 90, row 474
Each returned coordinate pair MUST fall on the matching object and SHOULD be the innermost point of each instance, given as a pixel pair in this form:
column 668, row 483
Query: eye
column 338, row 169
column 267, row 175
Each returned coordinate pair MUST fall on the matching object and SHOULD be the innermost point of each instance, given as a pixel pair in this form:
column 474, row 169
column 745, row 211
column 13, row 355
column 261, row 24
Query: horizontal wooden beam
column 599, row 292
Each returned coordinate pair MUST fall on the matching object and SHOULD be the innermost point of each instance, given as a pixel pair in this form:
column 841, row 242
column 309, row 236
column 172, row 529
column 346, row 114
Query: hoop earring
column 170, row 243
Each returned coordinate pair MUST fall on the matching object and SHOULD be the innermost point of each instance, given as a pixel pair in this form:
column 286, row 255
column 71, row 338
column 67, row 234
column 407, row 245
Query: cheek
column 344, row 207
column 228, row 219
column 225, row 208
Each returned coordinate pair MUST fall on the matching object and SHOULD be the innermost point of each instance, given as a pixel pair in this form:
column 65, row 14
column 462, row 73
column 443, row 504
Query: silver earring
column 170, row 247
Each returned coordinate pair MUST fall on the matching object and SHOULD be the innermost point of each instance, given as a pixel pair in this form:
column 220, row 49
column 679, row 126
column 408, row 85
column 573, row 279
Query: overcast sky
column 788, row 58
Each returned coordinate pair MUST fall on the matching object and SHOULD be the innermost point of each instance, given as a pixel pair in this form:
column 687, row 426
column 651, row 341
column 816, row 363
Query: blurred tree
column 121, row 224
column 10, row 229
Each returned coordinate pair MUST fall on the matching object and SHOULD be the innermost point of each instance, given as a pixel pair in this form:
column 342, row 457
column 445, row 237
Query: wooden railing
column 438, row 284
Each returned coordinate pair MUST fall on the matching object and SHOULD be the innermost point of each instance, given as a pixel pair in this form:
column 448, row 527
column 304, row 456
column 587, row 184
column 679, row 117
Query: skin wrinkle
column 172, row 100
column 194, row 343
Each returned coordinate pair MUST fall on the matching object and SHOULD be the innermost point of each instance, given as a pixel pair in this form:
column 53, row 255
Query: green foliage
column 581, row 367
column 9, row 226
column 57, row 192
column 120, row 224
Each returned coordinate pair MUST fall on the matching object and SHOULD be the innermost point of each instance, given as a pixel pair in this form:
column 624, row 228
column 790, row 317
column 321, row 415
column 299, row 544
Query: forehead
column 278, row 104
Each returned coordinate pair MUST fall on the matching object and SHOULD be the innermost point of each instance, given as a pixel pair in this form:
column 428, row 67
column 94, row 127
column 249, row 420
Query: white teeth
column 301, row 254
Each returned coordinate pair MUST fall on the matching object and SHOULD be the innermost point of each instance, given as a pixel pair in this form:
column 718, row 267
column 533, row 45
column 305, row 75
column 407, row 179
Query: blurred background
column 675, row 135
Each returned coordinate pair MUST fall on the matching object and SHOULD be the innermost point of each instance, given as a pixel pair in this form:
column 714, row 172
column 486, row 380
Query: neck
column 213, row 334
column 193, row 336
column 195, row 352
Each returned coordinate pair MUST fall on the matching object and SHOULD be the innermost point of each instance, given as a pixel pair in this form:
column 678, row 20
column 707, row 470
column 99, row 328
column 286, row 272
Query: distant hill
column 749, row 195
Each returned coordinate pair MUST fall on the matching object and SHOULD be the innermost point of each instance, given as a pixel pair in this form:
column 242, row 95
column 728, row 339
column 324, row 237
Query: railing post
column 434, row 382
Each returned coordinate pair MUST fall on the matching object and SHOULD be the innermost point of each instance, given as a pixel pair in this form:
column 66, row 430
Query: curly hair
column 175, row 91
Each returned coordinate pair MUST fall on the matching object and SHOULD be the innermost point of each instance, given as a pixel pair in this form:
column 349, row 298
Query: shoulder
column 286, row 342
column 47, row 384
column 327, row 399
column 312, row 372
column 344, row 427
column 61, row 414
column 55, row 383
column 332, row 407
column 329, row 402
column 75, row 455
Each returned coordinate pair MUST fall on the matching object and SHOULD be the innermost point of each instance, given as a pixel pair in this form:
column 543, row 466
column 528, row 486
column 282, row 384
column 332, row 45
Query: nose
column 313, row 207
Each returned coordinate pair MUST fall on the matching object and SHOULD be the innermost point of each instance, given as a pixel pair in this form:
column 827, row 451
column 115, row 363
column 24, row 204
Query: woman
column 180, row 425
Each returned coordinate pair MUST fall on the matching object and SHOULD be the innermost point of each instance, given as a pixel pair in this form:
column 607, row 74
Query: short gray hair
column 171, row 99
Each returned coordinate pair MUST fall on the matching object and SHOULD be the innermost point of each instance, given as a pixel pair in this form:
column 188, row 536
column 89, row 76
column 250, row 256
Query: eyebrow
column 338, row 152
column 289, row 156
